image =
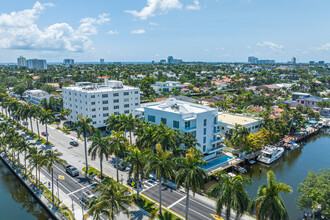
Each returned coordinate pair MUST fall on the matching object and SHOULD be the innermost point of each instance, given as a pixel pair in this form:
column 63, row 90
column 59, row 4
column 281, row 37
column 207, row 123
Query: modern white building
column 167, row 86
column 36, row 64
column 99, row 101
column 21, row 61
column 228, row 121
column 198, row 120
column 35, row 96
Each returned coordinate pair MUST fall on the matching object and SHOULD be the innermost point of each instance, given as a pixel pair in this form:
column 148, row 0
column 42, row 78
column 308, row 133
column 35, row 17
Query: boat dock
column 301, row 136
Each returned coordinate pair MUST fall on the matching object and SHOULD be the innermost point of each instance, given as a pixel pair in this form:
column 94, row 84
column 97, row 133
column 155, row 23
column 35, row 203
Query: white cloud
column 138, row 31
column 18, row 30
column 155, row 7
column 153, row 24
column 270, row 45
column 111, row 32
column 325, row 47
column 194, row 6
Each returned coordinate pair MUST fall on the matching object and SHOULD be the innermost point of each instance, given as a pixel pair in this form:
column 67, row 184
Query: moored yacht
column 270, row 154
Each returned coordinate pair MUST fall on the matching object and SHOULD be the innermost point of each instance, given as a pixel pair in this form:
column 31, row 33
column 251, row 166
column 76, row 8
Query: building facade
column 68, row 62
column 167, row 86
column 36, row 64
column 99, row 101
column 21, row 61
column 198, row 120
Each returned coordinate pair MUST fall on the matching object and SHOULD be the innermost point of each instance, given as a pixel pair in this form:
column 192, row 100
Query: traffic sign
column 61, row 177
column 216, row 217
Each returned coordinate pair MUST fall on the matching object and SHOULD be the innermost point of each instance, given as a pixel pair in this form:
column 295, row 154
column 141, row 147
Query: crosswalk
column 147, row 184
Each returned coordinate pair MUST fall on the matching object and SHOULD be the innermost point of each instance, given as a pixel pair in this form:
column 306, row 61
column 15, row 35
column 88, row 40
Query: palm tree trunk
column 37, row 176
column 46, row 133
column 160, row 196
column 313, row 215
column 25, row 162
column 138, row 189
column 130, row 137
column 101, row 168
column 187, row 204
column 31, row 125
column 53, row 185
column 85, row 152
column 38, row 129
column 117, row 169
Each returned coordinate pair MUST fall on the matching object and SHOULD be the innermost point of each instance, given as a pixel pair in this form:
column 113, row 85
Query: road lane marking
column 173, row 204
column 197, row 212
column 81, row 189
column 194, row 200
column 74, row 180
column 61, row 177
column 216, row 217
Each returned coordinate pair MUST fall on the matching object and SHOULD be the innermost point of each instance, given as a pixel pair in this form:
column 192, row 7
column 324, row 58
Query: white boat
column 240, row 169
column 270, row 154
column 252, row 161
column 231, row 175
column 293, row 145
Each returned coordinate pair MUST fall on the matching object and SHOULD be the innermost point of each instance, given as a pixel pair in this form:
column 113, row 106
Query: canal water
column 16, row 202
column 293, row 167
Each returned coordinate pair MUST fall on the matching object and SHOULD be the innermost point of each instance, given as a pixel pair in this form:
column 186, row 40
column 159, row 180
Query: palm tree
column 239, row 137
column 99, row 148
column 117, row 146
column 190, row 140
column 138, row 159
column 51, row 158
column 146, row 138
column 47, row 116
column 37, row 113
column 36, row 160
column 316, row 200
column 231, row 193
column 129, row 124
column 269, row 204
column 31, row 114
column 112, row 123
column 190, row 175
column 24, row 113
column 83, row 126
column 114, row 199
column 166, row 136
column 162, row 164
column 23, row 146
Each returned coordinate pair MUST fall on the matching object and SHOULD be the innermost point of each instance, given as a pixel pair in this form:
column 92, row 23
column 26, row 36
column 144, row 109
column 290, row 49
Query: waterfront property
column 99, row 101
column 228, row 121
column 198, row 120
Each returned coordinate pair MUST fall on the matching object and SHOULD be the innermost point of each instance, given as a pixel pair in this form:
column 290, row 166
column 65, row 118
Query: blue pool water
column 216, row 162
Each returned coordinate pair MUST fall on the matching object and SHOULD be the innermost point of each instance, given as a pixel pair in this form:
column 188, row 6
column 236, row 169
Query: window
column 187, row 124
column 94, row 122
column 93, row 103
column 105, row 108
column 93, row 109
column 126, row 106
column 126, row 112
column 193, row 133
column 126, row 93
column 204, row 148
column 126, row 99
column 136, row 104
column 204, row 131
column 205, row 122
column 176, row 124
column 116, row 107
column 105, row 102
column 151, row 118
column 104, row 95
column 105, row 114
column 115, row 100
column 92, row 96
column 136, row 92
column 104, row 121
column 204, row 140
column 163, row 120
column 115, row 94
column 93, row 116
column 116, row 113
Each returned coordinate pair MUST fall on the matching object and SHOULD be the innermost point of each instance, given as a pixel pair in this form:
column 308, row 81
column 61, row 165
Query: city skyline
column 142, row 31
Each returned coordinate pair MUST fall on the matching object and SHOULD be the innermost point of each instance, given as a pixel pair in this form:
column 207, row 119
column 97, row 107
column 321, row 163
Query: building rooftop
column 108, row 85
column 235, row 119
column 177, row 106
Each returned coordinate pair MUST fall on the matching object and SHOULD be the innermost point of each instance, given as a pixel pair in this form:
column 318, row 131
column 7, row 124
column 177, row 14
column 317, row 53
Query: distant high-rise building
column 68, row 62
column 170, row 60
column 36, row 64
column 253, row 60
column 321, row 62
column 311, row 62
column 101, row 61
column 294, row 60
column 162, row 61
column 21, row 61
column 266, row 61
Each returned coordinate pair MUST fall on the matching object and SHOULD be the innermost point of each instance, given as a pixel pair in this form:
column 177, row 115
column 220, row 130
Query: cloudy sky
column 145, row 30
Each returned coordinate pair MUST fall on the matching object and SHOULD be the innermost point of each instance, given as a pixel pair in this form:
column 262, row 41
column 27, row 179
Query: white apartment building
column 167, row 86
column 228, row 121
column 35, row 96
column 198, row 120
column 99, row 101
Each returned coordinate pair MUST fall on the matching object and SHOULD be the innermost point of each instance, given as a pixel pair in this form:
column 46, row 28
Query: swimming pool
column 216, row 162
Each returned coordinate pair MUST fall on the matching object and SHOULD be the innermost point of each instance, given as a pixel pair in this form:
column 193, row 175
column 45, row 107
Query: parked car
column 72, row 170
column 87, row 196
column 57, row 120
column 133, row 183
column 44, row 133
column 25, row 123
column 74, row 143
